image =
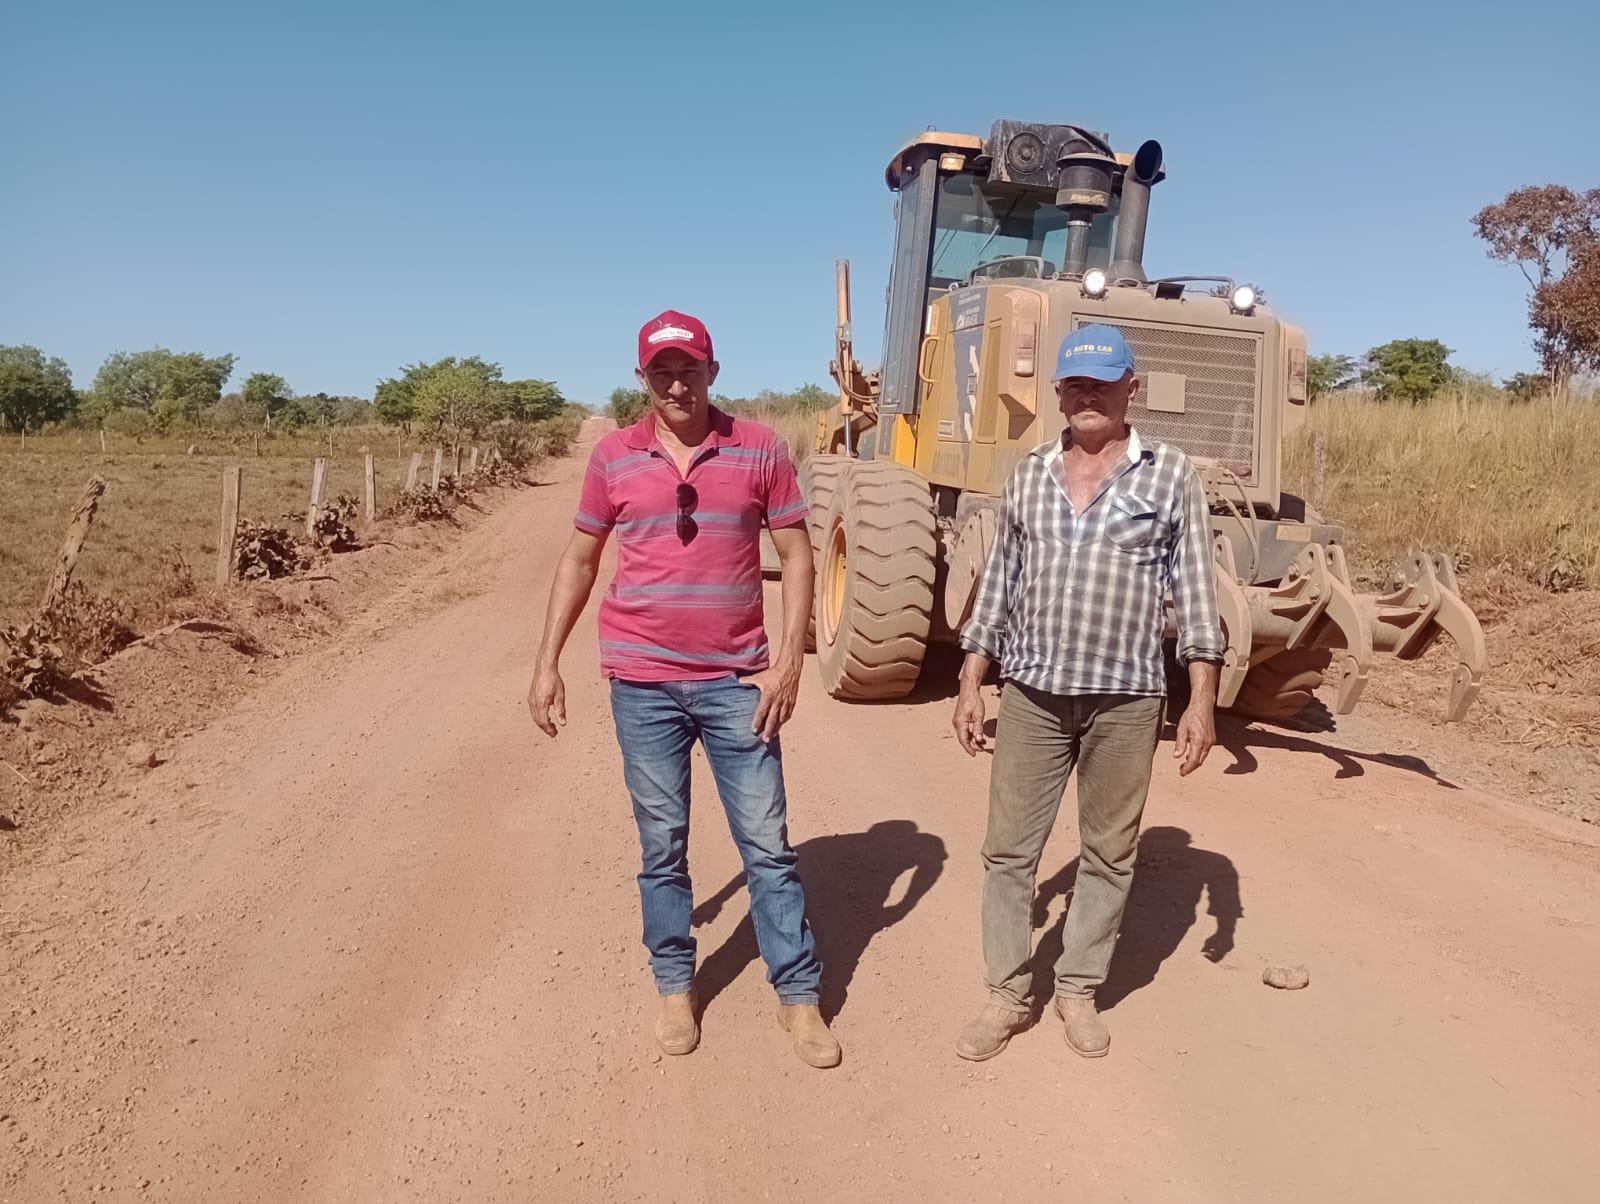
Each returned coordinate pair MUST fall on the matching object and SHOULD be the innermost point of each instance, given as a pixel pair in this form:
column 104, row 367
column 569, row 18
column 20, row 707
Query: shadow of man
column 849, row 881
column 1169, row 877
column 1238, row 737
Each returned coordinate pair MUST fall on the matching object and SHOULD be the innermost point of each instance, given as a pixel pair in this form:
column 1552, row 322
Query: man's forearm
column 569, row 594
column 1203, row 677
column 1193, row 576
column 974, row 668
column 799, row 584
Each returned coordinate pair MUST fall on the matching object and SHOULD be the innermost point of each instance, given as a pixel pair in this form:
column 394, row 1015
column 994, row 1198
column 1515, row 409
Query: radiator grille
column 1219, row 418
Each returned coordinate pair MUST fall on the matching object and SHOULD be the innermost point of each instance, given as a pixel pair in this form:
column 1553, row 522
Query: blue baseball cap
column 1097, row 351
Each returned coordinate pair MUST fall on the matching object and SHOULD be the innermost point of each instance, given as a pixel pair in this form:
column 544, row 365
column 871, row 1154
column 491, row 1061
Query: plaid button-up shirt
column 1075, row 603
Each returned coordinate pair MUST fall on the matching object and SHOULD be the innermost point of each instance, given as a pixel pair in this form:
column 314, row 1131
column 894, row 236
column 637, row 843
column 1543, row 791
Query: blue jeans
column 657, row 725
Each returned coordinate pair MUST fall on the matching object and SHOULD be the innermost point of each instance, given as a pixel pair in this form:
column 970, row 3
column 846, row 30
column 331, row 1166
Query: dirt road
column 371, row 937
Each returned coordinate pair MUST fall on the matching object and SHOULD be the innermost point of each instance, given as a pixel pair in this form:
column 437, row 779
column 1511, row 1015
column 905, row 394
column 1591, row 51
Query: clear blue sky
column 331, row 190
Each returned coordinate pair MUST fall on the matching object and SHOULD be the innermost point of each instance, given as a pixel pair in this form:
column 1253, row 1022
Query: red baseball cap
column 672, row 330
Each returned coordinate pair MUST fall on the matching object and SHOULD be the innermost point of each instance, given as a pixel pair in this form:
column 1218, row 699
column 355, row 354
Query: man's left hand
column 780, row 687
column 1197, row 732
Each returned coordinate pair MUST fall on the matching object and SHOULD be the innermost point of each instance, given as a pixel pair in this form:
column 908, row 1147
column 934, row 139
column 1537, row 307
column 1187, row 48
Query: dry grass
column 160, row 504
column 1501, row 487
column 1498, row 486
column 1508, row 490
column 798, row 428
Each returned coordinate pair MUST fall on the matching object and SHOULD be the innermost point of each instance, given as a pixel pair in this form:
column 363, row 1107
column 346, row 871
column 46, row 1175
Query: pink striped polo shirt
column 687, row 611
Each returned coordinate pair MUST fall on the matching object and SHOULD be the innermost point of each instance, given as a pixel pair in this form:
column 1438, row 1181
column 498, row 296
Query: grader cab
column 1002, row 246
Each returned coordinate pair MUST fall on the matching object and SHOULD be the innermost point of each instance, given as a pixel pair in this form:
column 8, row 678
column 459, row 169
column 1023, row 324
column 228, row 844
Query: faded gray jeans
column 1040, row 738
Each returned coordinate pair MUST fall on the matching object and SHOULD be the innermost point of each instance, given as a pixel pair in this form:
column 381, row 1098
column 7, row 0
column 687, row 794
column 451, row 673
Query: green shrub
column 130, row 422
column 560, row 433
column 419, row 505
column 332, row 531
column 266, row 552
column 32, row 665
column 87, row 627
column 516, row 444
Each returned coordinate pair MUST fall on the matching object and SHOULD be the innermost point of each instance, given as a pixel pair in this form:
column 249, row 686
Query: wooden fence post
column 416, row 467
column 438, row 465
column 372, row 490
column 102, row 441
column 474, row 459
column 77, row 532
column 227, row 541
column 319, row 471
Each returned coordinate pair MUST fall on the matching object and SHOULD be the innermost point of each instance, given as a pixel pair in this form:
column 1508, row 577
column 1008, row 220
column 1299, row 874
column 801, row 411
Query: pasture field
column 162, row 505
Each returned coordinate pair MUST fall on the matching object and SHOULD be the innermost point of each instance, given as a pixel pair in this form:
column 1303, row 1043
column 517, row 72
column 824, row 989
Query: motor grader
column 1002, row 246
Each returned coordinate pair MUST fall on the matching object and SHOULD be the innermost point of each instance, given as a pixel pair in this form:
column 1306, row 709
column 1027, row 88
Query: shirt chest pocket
column 731, row 494
column 1134, row 523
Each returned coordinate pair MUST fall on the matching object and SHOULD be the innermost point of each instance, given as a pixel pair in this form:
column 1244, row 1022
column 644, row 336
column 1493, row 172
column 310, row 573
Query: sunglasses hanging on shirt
column 687, row 498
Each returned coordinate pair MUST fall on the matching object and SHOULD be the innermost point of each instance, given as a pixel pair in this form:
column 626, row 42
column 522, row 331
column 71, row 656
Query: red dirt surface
column 369, row 936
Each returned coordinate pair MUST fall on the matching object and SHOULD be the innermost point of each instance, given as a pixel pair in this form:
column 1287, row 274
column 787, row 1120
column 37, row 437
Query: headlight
column 1243, row 299
column 1094, row 283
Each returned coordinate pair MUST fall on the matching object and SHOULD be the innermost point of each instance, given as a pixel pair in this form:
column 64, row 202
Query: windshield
column 976, row 221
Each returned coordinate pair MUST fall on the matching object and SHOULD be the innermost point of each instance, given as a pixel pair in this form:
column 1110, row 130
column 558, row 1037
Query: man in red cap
column 682, row 639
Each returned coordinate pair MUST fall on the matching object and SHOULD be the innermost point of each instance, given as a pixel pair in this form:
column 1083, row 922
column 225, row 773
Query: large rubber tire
column 819, row 481
column 875, row 583
column 1282, row 686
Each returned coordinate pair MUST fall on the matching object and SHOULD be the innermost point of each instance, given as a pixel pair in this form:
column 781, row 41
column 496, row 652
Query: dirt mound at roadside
column 1542, row 687
column 58, row 755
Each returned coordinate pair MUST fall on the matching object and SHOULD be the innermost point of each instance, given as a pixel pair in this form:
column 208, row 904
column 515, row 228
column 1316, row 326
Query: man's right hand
column 547, row 700
column 969, row 719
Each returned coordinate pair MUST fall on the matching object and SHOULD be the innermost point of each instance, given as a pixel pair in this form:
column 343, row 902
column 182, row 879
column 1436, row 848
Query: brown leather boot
column 814, row 1044
column 989, row 1032
column 1086, row 1034
column 676, row 1029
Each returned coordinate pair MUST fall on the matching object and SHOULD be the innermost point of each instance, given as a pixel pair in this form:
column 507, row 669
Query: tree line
column 1552, row 234
column 1403, row 370
column 457, row 398
column 626, row 404
column 160, row 390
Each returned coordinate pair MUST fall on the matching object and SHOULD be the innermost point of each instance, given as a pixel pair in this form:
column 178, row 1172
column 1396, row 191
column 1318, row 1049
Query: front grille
column 1218, row 422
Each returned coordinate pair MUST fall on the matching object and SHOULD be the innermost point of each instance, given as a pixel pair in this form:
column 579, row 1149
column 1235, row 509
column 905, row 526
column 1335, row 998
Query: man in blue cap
column 1096, row 529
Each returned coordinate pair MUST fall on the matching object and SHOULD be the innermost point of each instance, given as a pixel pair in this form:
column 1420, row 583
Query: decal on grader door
column 966, row 315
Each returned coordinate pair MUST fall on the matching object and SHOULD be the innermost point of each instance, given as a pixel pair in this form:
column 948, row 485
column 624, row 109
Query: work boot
column 1086, row 1034
column 813, row 1043
column 676, row 1030
column 989, row 1032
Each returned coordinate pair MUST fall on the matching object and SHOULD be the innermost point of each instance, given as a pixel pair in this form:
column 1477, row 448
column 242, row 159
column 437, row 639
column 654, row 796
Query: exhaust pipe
column 1087, row 168
column 1127, row 256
